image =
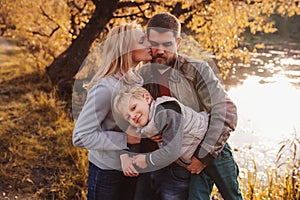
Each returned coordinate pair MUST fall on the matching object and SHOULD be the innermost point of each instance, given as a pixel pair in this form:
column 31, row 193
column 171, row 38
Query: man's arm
column 223, row 113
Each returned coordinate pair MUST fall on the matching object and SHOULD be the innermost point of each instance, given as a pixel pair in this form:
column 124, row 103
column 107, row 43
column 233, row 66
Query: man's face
column 164, row 47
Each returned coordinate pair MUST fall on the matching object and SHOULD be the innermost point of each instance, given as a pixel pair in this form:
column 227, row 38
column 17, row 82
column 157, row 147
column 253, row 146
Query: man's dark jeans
column 223, row 171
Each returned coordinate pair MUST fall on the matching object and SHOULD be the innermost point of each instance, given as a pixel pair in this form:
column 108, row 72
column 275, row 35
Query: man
column 194, row 84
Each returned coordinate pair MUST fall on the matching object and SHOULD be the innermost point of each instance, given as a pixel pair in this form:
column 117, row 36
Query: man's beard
column 161, row 60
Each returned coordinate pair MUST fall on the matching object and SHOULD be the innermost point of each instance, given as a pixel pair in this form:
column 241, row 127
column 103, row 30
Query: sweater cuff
column 149, row 160
column 208, row 158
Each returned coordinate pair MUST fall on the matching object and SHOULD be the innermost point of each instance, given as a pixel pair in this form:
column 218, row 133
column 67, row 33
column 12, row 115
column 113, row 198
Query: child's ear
column 148, row 98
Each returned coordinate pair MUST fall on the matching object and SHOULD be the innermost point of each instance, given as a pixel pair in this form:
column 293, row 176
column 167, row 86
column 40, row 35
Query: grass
column 38, row 160
column 274, row 183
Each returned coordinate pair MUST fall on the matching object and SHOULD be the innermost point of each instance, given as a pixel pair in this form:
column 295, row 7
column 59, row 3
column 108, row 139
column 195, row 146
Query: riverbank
column 288, row 29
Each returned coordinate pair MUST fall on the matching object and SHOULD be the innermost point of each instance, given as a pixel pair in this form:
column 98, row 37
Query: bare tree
column 63, row 69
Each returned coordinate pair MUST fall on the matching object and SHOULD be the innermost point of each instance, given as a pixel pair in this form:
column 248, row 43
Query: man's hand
column 196, row 166
column 133, row 137
column 155, row 138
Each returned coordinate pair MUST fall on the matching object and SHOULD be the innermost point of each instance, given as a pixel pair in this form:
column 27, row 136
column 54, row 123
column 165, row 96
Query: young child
column 182, row 128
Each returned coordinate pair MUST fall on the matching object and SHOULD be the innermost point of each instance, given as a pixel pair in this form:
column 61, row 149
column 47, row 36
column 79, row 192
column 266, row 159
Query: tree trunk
column 63, row 69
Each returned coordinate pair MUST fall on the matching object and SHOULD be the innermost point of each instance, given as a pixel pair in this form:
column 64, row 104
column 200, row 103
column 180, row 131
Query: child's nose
column 133, row 116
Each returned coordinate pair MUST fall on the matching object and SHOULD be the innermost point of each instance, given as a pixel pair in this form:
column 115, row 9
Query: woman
column 96, row 129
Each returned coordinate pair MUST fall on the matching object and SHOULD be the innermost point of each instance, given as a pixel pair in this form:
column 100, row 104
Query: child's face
column 138, row 111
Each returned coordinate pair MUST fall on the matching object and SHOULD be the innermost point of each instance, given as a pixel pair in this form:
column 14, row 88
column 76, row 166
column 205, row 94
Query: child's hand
column 127, row 166
column 140, row 161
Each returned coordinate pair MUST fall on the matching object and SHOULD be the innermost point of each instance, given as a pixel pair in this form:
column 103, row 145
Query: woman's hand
column 133, row 137
column 140, row 161
column 127, row 166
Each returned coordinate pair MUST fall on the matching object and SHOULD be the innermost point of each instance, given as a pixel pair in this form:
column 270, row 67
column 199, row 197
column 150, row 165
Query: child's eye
column 133, row 108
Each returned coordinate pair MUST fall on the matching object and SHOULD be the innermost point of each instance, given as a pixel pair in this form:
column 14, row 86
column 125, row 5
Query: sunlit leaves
column 42, row 26
column 219, row 25
column 289, row 8
column 81, row 12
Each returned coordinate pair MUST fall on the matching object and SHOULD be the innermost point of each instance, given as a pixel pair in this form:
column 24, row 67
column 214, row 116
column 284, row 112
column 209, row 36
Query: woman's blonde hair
column 117, row 52
column 121, row 100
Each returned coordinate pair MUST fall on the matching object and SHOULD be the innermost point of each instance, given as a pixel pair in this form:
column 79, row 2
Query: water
column 267, row 94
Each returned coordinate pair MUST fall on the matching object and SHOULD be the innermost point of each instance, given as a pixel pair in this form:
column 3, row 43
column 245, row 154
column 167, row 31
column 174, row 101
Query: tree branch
column 126, row 16
column 134, row 4
column 139, row 14
column 50, row 18
column 47, row 16
column 141, row 11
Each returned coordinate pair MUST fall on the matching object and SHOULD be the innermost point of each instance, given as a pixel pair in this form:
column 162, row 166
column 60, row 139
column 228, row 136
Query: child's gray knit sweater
column 182, row 130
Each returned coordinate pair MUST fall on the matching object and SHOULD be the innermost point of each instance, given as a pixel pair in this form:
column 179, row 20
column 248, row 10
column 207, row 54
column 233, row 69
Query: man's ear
column 178, row 41
column 148, row 98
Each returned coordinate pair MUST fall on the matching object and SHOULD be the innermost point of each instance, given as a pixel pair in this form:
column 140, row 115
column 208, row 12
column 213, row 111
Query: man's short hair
column 164, row 22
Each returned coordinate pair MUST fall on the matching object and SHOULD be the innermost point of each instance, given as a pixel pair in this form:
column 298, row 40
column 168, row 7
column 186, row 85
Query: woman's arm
column 223, row 113
column 95, row 127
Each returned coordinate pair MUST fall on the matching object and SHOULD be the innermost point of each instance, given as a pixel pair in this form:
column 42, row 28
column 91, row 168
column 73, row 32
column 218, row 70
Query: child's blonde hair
column 121, row 101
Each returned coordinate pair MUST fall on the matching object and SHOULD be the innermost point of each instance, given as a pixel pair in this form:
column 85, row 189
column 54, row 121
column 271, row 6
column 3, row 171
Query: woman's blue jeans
column 223, row 171
column 109, row 184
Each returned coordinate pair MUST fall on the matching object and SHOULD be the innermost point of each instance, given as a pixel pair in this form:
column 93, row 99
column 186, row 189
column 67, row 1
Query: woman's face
column 141, row 48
